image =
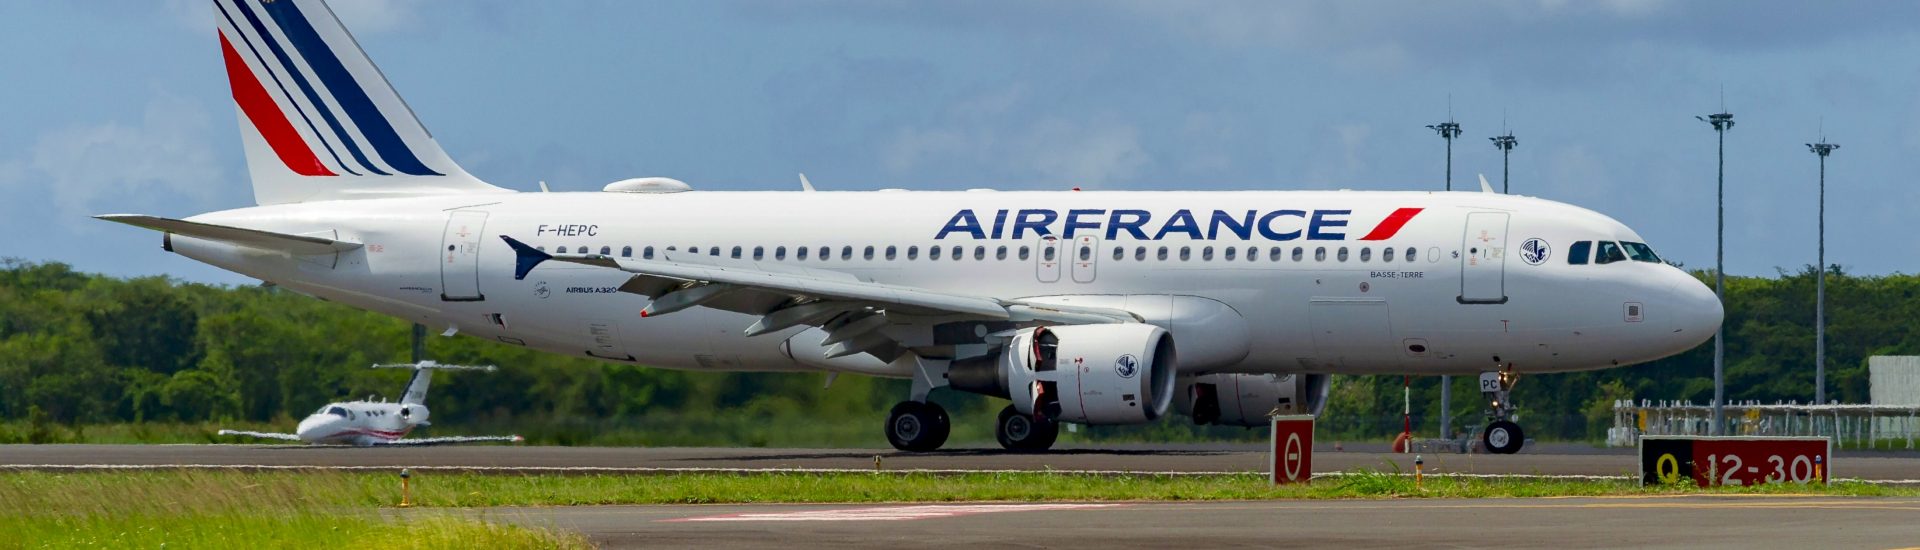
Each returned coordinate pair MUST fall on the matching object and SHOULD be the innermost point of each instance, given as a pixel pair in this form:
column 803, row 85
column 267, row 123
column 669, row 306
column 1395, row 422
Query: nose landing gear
column 1502, row 435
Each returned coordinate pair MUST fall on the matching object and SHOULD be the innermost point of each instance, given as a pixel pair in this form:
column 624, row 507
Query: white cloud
column 86, row 167
column 1083, row 154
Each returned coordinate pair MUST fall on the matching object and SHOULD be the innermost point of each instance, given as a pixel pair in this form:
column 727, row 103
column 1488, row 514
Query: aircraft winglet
column 1484, row 186
column 525, row 257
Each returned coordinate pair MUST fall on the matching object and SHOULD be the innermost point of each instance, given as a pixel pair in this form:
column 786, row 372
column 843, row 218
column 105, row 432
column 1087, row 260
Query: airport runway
column 534, row 459
column 1670, row 522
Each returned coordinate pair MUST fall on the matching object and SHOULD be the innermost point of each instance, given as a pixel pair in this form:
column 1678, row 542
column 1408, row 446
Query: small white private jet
column 369, row 423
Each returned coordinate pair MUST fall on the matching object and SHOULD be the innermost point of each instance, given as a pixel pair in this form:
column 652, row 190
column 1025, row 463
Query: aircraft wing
column 850, row 310
column 262, row 435
column 453, row 440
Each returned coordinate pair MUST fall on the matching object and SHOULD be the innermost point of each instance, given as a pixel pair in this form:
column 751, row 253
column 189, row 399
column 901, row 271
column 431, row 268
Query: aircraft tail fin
column 317, row 118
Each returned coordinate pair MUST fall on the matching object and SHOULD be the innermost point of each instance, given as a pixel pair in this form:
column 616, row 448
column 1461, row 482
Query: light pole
column 1506, row 144
column 1447, row 130
column 1721, row 123
column 1820, row 305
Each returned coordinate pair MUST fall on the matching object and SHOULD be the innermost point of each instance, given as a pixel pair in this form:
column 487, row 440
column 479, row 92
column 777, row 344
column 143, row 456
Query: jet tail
column 416, row 393
column 317, row 118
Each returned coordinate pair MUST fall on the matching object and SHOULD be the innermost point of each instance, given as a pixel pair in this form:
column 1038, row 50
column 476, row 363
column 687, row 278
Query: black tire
column 917, row 427
column 1021, row 432
column 1503, row 437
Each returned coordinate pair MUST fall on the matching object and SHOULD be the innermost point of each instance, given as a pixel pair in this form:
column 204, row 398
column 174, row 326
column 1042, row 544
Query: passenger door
column 460, row 256
column 1483, row 259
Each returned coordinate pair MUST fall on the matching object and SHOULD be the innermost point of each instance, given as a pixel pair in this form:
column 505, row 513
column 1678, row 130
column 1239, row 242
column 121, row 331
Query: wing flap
column 255, row 238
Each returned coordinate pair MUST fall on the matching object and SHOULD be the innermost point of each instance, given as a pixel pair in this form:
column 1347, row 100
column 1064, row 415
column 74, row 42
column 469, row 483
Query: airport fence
column 1889, row 427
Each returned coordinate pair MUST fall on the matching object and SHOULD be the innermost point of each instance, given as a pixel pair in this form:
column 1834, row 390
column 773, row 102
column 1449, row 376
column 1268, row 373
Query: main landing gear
column 1502, row 435
column 917, row 426
column 1024, row 432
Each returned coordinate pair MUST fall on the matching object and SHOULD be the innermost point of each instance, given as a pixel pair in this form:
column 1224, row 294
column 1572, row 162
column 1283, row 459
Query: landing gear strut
column 1023, row 432
column 917, row 426
column 1502, row 435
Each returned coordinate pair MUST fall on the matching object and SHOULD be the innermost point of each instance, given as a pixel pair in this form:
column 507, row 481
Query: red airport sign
column 1711, row 461
column 1292, row 460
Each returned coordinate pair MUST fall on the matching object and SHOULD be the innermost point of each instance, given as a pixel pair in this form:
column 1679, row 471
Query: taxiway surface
column 529, row 459
column 1646, row 522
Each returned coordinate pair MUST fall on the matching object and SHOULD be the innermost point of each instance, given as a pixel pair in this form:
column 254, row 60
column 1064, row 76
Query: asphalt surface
column 1663, row 522
column 518, row 458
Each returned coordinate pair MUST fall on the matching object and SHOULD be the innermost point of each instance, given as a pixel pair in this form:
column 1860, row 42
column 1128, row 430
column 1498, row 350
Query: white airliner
column 369, row 423
column 1096, row 307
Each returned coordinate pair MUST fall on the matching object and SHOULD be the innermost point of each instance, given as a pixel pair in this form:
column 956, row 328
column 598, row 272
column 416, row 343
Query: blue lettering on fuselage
column 1273, row 225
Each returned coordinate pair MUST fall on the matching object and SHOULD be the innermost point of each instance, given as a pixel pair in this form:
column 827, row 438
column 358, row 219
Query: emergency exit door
column 1483, row 259
column 1046, row 260
column 1086, row 258
column 460, row 256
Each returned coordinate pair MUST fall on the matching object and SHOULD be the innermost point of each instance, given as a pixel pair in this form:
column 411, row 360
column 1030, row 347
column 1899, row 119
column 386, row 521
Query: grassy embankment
column 231, row 510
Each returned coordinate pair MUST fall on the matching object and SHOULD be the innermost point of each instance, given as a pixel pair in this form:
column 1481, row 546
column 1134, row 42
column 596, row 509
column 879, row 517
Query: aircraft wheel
column 1021, row 432
column 916, row 426
column 1503, row 437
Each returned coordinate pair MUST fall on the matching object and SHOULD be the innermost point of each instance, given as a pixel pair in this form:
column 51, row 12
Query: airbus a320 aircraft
column 1097, row 307
column 369, row 423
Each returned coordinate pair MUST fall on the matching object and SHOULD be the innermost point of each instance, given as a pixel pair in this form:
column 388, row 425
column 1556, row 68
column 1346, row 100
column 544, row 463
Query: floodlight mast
column 1506, row 144
column 1721, row 123
column 1447, row 130
column 1820, row 301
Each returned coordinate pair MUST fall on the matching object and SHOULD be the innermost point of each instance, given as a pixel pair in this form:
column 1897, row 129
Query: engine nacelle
column 1248, row 399
column 1089, row 374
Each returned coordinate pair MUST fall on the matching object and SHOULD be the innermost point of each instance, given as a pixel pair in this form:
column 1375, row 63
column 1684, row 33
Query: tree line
column 79, row 349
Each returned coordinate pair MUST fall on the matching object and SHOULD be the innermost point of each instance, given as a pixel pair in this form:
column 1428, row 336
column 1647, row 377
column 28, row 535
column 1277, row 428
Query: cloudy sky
column 124, row 107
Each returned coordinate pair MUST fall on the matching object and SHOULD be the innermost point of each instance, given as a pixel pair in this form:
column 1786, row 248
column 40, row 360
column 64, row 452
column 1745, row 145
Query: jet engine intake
column 1119, row 373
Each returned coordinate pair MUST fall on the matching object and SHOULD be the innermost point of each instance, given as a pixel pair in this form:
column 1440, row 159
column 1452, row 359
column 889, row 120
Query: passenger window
column 759, row 252
column 890, row 253
column 560, row 250
column 933, row 252
column 1579, row 253
column 913, row 252
column 1273, row 254
column 606, row 251
column 1640, row 252
column 1610, row 252
column 1140, row 253
column 1299, row 253
column 780, row 253
column 867, row 254
column 959, row 253
column 1000, row 253
column 736, row 252
column 846, row 253
column 1047, row 253
column 1342, row 254
column 1410, row 253
column 979, row 253
column 626, row 252
column 647, row 253
column 826, row 253
column 1230, row 254
column 1366, row 253
column 1119, row 252
column 1186, row 253
column 1320, row 254
column 542, row 248
column 1386, row 254
column 1253, row 253
column 1162, row 256
column 799, row 253
column 1023, row 253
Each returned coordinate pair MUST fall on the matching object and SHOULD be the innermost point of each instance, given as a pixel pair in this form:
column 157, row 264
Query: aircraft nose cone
column 309, row 428
column 1697, row 312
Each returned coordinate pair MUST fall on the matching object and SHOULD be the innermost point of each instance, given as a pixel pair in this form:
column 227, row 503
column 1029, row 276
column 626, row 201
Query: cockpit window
column 337, row 411
column 1640, row 252
column 1609, row 252
column 1580, row 253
